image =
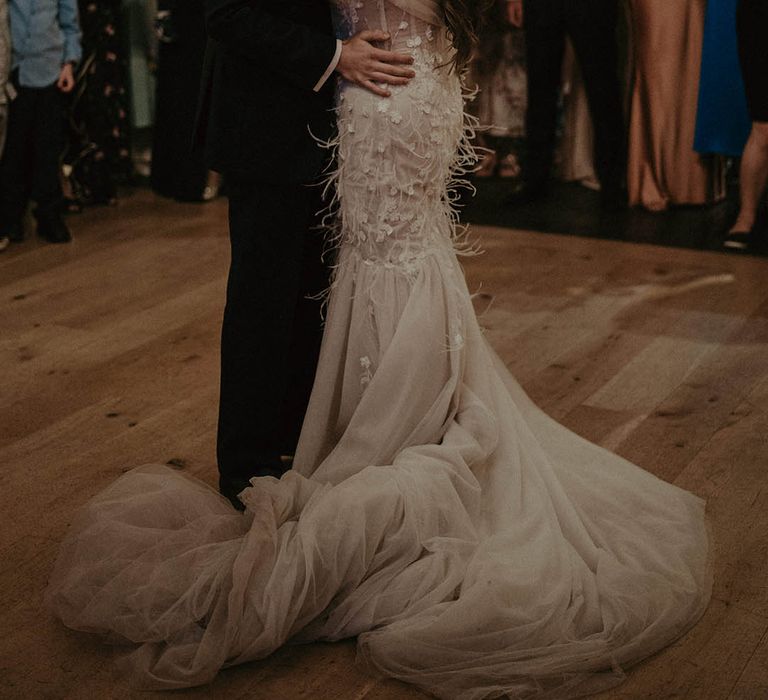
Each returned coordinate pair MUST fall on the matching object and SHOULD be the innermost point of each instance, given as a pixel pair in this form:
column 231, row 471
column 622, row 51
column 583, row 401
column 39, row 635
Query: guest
column 663, row 167
column 45, row 48
column 177, row 170
column 5, row 69
column 752, row 23
column 722, row 121
column 575, row 152
column 591, row 26
column 498, row 71
column 98, row 156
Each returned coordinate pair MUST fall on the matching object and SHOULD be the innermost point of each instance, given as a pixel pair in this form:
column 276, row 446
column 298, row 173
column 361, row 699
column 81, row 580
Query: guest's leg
column 751, row 20
column 14, row 165
column 753, row 177
column 268, row 228
column 592, row 28
column 49, row 145
column 545, row 46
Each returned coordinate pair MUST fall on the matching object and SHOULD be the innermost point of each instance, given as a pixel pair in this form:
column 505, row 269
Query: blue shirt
column 45, row 34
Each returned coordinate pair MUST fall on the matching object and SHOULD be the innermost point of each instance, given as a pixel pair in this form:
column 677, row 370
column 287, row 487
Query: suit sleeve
column 299, row 53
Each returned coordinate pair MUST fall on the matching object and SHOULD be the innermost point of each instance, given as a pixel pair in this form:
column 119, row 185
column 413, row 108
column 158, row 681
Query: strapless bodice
column 412, row 24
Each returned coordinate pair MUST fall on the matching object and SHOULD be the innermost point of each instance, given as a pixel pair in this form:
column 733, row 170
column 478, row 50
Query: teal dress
column 723, row 123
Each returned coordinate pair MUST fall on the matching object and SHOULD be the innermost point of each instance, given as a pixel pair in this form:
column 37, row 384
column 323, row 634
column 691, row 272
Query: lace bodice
column 411, row 23
column 398, row 156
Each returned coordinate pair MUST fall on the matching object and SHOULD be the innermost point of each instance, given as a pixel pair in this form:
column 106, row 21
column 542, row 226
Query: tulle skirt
column 474, row 546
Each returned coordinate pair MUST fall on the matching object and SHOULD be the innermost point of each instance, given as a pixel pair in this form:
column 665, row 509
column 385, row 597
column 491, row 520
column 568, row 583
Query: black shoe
column 53, row 229
column 737, row 240
column 15, row 232
column 230, row 487
column 613, row 200
column 526, row 193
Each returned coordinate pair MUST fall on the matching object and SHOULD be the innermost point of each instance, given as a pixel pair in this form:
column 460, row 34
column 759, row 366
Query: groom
column 267, row 95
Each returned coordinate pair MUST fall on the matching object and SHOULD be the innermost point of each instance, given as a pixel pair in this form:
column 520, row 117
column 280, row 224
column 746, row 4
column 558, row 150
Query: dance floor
column 109, row 360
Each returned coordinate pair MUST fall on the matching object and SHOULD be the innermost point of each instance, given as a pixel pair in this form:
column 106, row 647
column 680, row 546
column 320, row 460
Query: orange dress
column 663, row 167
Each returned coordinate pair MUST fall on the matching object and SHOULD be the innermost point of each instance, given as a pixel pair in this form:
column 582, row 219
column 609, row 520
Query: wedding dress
column 474, row 546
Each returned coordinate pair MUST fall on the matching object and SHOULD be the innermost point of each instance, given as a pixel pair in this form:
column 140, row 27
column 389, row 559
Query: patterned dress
column 98, row 156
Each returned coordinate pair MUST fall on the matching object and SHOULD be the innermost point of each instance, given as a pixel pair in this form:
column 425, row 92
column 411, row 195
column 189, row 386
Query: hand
column 164, row 29
column 515, row 13
column 66, row 81
column 365, row 65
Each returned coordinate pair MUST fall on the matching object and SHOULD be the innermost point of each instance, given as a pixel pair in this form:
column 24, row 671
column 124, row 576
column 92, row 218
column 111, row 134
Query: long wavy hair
column 464, row 19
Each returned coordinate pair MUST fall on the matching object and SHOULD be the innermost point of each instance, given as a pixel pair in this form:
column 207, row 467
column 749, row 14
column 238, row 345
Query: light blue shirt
column 45, row 34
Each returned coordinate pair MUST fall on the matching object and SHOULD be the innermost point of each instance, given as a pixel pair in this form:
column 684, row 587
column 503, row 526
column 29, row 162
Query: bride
column 475, row 547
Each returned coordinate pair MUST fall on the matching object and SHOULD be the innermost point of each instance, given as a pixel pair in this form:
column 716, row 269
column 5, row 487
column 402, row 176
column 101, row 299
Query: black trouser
column 177, row 170
column 271, row 333
column 591, row 26
column 33, row 147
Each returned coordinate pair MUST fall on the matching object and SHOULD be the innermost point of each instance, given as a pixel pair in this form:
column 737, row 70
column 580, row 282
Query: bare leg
column 753, row 176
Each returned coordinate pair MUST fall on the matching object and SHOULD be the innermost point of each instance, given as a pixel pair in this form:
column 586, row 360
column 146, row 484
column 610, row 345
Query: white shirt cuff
column 332, row 67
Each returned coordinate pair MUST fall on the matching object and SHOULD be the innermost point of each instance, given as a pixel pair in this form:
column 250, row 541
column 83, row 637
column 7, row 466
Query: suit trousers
column 30, row 163
column 272, row 330
column 591, row 25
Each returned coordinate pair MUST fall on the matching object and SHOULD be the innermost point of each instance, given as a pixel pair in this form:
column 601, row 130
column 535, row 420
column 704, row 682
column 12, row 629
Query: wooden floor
column 108, row 359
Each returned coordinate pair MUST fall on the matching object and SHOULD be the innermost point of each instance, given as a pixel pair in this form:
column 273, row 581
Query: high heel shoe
column 737, row 240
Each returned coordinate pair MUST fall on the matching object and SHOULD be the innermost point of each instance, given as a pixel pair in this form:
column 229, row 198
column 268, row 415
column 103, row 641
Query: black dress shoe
column 230, row 487
column 613, row 200
column 53, row 229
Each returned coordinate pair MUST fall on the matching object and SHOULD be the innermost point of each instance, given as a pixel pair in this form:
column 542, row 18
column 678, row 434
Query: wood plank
column 753, row 682
column 109, row 359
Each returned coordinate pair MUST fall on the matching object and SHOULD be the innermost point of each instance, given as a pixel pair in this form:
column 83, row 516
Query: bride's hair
column 463, row 19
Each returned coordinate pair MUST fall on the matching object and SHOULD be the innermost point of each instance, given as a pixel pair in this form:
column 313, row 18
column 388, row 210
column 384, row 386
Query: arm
column 304, row 56
column 5, row 51
column 70, row 27
column 299, row 53
column 362, row 63
column 515, row 13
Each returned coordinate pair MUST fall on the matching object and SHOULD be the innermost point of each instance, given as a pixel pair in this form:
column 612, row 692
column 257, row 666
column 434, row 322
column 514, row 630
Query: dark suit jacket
column 257, row 104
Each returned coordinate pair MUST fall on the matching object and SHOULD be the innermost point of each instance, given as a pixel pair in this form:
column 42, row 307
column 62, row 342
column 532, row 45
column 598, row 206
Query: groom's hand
column 365, row 65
